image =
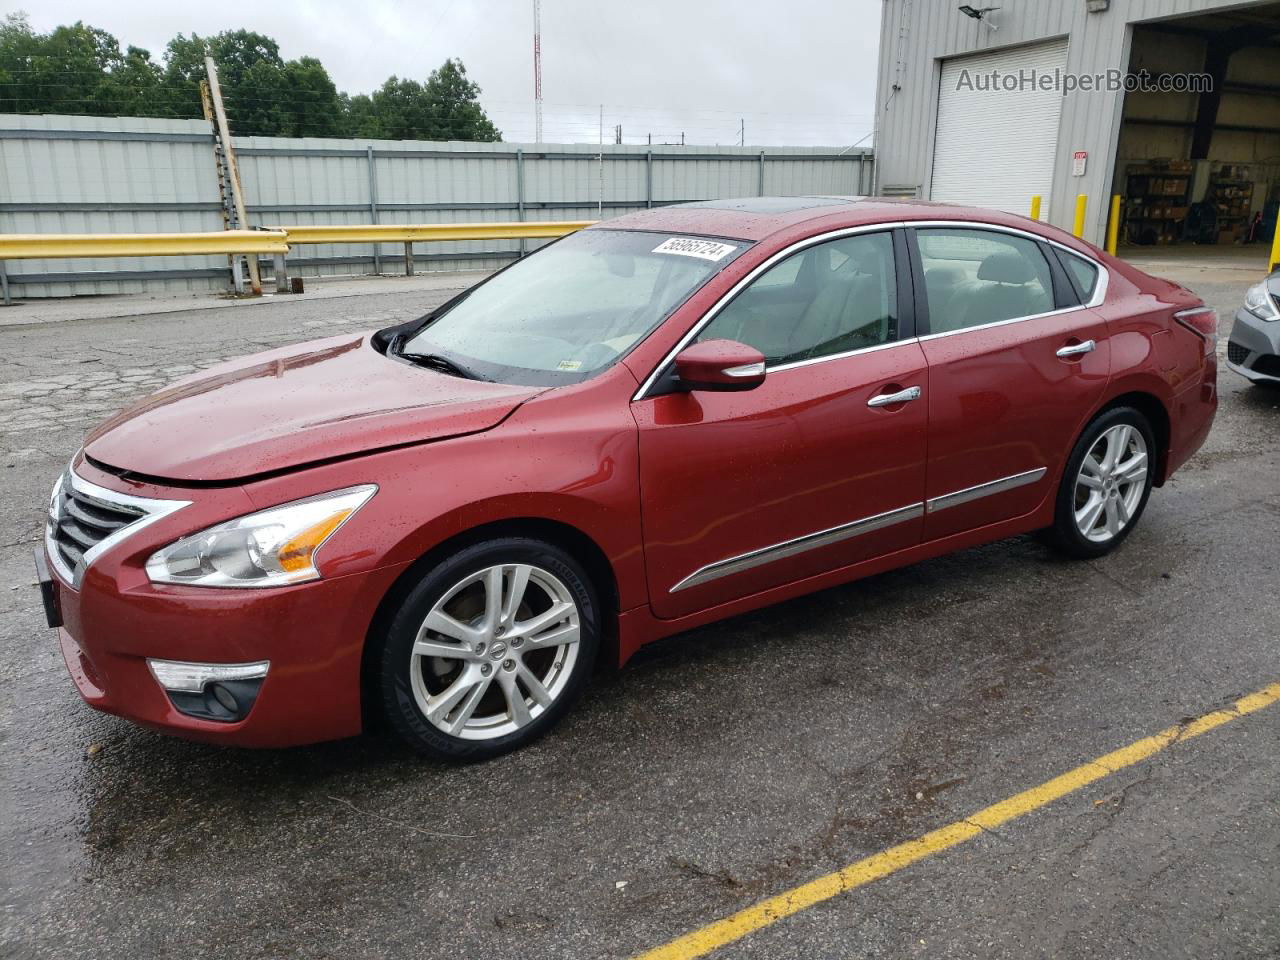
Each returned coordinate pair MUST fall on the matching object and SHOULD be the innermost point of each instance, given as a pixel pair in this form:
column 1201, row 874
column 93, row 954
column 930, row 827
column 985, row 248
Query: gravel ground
column 721, row 766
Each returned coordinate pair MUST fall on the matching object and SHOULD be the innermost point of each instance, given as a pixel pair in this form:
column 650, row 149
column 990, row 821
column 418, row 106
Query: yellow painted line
column 715, row 935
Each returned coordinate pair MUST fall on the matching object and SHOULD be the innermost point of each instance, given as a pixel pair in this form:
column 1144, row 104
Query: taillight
column 1203, row 322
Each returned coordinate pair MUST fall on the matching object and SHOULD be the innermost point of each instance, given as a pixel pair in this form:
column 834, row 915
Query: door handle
column 1077, row 349
column 889, row 399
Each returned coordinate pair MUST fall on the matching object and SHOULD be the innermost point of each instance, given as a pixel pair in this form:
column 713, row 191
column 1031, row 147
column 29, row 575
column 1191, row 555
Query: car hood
column 310, row 402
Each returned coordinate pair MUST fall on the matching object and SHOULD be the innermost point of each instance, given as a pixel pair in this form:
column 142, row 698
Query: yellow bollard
column 1082, row 202
column 1113, row 225
column 1275, row 248
column 1035, row 207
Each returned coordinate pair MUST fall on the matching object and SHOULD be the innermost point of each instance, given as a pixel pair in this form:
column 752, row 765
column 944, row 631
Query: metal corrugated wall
column 916, row 35
column 109, row 175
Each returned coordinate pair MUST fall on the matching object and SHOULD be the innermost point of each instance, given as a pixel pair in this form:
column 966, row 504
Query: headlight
column 267, row 549
column 1260, row 303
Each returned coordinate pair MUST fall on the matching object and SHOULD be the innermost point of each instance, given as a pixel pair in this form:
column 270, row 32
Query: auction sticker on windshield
column 689, row 247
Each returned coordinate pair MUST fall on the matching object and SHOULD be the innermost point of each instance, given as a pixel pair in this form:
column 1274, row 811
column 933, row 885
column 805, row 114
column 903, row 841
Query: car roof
column 755, row 218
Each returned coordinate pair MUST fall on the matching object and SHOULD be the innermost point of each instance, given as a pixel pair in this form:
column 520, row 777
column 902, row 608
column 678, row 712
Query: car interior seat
column 1007, row 288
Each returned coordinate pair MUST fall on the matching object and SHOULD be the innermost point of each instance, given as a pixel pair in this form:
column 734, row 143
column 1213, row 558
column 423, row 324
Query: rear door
column 1015, row 363
column 810, row 471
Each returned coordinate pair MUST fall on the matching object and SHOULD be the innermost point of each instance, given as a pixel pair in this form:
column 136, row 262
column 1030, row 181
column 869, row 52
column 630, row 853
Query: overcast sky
column 799, row 72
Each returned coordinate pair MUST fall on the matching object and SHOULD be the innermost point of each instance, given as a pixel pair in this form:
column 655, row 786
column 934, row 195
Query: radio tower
column 537, row 70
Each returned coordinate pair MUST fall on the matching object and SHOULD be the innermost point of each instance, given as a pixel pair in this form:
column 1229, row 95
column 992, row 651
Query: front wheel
column 1106, row 484
column 490, row 649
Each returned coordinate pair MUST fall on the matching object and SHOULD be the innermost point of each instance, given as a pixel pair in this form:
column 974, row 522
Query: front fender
column 580, row 471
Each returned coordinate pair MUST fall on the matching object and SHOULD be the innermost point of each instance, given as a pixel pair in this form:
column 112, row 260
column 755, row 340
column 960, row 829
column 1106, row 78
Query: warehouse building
column 1172, row 104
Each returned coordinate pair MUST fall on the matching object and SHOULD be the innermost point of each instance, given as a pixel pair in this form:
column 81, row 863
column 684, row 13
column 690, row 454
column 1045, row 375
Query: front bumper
column 312, row 634
column 1253, row 348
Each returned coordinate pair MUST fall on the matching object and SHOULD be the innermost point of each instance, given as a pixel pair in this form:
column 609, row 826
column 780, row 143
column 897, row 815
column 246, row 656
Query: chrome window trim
column 746, row 281
column 977, row 492
column 995, row 323
column 803, row 544
column 1099, row 293
column 840, row 356
column 822, row 538
column 151, row 511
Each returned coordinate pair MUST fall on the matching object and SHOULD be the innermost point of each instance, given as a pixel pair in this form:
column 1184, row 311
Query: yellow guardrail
column 276, row 240
column 29, row 246
column 420, row 232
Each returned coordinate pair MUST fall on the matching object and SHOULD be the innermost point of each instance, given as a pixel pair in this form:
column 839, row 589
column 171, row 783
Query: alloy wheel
column 495, row 651
column 1111, row 483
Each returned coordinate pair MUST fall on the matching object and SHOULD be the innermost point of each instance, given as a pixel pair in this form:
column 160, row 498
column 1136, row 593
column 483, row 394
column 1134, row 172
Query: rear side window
column 973, row 277
column 1083, row 274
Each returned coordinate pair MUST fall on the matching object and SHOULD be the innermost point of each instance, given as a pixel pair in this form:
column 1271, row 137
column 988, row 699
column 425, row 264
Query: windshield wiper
column 435, row 361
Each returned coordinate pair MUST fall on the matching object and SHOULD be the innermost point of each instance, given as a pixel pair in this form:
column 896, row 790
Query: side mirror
column 723, row 365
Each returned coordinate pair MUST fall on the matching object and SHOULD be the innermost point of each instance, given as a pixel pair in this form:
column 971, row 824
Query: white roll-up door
column 996, row 148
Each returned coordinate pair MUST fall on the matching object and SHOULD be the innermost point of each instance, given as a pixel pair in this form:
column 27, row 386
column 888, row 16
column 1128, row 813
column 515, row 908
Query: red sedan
column 666, row 419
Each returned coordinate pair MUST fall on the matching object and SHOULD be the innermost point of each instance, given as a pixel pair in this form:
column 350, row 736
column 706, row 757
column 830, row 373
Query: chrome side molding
column 846, row 531
column 985, row 489
column 790, row 548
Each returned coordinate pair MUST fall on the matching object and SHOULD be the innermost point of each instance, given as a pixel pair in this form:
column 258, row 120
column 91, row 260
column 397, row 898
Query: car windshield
column 570, row 310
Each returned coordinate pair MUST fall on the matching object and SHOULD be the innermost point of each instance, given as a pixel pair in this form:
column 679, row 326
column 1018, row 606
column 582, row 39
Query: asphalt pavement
column 720, row 767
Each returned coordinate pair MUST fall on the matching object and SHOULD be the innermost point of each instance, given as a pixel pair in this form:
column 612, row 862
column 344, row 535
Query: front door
column 808, row 472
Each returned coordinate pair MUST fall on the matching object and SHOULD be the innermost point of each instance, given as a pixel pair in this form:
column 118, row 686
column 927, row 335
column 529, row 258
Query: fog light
column 211, row 691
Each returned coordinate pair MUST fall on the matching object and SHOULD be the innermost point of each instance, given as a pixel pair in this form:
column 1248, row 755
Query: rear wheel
column 1106, row 484
column 490, row 649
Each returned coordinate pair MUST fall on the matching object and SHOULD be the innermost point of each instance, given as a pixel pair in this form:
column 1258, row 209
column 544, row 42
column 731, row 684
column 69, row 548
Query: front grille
column 1236, row 353
column 84, row 519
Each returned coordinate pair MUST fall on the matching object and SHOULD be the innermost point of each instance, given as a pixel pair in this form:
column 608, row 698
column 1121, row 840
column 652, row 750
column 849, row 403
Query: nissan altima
column 660, row 421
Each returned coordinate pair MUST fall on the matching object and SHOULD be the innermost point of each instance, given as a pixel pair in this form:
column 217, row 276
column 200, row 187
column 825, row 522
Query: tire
column 1077, row 530
column 464, row 678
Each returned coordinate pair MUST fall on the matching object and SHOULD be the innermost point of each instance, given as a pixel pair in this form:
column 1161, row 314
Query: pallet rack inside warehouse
column 1157, row 196
column 1231, row 195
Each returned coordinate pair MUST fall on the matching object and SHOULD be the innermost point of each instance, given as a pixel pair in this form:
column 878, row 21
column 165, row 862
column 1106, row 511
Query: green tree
column 315, row 109
column 265, row 95
column 80, row 69
column 446, row 107
column 456, row 106
column 72, row 69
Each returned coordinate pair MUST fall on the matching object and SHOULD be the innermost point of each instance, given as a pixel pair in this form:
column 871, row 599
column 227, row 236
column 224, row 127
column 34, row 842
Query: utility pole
column 537, row 71
column 228, row 158
column 742, row 132
column 225, row 205
column 600, row 207
column 617, row 134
